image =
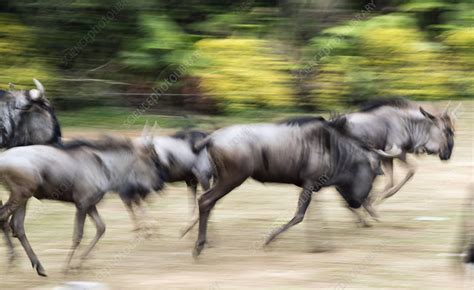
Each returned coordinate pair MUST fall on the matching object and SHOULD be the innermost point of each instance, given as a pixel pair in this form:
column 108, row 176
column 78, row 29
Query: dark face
column 441, row 135
column 28, row 118
column 153, row 165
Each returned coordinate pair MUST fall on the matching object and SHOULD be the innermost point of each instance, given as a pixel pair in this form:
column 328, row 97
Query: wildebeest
column 179, row 163
column 27, row 118
column 311, row 156
column 79, row 172
column 401, row 127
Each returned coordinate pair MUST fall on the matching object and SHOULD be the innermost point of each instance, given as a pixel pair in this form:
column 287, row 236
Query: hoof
column 40, row 270
column 269, row 240
column 363, row 224
column 366, row 225
column 197, row 250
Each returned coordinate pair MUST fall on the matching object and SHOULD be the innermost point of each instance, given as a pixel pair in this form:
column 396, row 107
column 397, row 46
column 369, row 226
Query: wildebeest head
column 27, row 118
column 150, row 159
column 440, row 135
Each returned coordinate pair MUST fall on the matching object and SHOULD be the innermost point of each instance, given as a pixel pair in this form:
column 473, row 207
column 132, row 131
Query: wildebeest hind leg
column 18, row 222
column 207, row 202
column 6, row 235
column 303, row 203
column 77, row 236
column 100, row 230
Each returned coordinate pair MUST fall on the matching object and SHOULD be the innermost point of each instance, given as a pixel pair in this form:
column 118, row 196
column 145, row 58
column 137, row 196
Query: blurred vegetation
column 231, row 57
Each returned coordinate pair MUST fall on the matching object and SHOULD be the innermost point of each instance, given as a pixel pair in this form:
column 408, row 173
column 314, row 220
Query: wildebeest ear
column 35, row 95
column 338, row 122
column 146, row 130
column 426, row 114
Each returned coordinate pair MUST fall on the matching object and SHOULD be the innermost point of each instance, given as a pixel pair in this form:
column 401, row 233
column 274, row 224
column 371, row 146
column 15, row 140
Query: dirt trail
column 326, row 251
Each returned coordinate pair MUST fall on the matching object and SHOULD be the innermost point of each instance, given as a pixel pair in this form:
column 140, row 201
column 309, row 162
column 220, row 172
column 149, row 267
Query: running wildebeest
column 79, row 172
column 27, row 118
column 179, row 163
column 311, row 156
column 402, row 127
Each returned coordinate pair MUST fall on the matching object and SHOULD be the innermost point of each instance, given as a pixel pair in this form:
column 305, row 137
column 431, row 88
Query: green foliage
column 248, row 56
column 244, row 73
column 16, row 42
column 161, row 42
column 387, row 56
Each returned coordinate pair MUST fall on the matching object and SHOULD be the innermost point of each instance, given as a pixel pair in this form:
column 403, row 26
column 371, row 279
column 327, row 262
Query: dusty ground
column 327, row 251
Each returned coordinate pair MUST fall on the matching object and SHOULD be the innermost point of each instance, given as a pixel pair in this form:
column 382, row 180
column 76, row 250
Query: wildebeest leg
column 356, row 195
column 388, row 172
column 18, row 223
column 303, row 203
column 396, row 188
column 78, row 234
column 204, row 181
column 192, row 186
column 360, row 216
column 371, row 210
column 387, row 164
column 6, row 235
column 100, row 227
column 133, row 216
column 208, row 201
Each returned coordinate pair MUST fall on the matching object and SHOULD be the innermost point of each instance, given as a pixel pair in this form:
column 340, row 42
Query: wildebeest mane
column 301, row 121
column 191, row 136
column 338, row 123
column 390, row 102
column 343, row 149
column 104, row 143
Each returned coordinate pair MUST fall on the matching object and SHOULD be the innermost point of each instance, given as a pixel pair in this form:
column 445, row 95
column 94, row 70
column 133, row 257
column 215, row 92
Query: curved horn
column 447, row 107
column 455, row 111
column 146, row 130
column 39, row 86
column 154, row 130
column 395, row 151
column 37, row 93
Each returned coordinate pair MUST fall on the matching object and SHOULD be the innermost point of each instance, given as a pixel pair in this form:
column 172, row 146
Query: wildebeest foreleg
column 194, row 204
column 207, row 202
column 100, row 229
column 192, row 188
column 396, row 188
column 360, row 215
column 18, row 224
column 388, row 172
column 204, row 181
column 133, row 216
column 303, row 203
column 387, row 165
column 78, row 234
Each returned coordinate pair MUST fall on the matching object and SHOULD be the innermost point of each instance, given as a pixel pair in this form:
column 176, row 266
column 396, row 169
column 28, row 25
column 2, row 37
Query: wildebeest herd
column 348, row 151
